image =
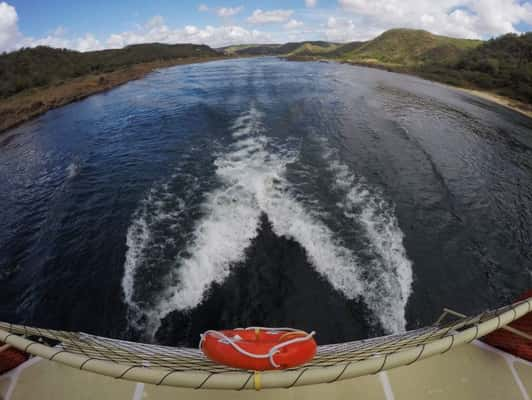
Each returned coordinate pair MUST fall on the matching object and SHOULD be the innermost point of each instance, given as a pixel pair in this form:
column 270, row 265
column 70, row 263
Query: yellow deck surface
column 474, row 371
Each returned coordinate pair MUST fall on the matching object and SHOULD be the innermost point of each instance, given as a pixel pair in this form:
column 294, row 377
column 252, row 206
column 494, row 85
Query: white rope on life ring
column 274, row 350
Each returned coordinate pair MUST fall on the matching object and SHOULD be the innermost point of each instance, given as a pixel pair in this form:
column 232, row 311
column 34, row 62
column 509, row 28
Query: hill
column 33, row 81
column 36, row 67
column 502, row 65
column 250, row 49
column 408, row 47
column 393, row 48
column 308, row 48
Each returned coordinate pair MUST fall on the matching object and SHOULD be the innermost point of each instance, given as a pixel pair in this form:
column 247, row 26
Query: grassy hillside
column 502, row 65
column 408, row 47
column 396, row 47
column 250, row 49
column 309, row 48
column 41, row 66
column 344, row 49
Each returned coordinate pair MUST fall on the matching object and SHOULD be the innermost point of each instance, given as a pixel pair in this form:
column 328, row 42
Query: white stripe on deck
column 386, row 386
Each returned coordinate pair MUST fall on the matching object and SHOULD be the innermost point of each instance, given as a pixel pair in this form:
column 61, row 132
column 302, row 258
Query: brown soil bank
column 29, row 104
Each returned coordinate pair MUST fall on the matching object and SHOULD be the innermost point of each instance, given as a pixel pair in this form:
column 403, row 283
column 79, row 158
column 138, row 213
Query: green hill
column 393, row 48
column 408, row 47
column 40, row 66
column 250, row 49
column 309, row 48
column 502, row 65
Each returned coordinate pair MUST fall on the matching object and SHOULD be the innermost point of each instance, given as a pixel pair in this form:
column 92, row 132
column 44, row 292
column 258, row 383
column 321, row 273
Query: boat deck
column 475, row 371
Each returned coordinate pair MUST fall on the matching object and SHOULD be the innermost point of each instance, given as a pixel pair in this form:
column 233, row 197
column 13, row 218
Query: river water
column 346, row 200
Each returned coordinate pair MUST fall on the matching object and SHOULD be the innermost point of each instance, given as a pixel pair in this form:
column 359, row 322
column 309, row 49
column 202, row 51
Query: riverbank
column 512, row 104
column 515, row 105
column 29, row 104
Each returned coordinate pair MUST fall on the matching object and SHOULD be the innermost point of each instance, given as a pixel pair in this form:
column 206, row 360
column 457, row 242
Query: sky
column 92, row 25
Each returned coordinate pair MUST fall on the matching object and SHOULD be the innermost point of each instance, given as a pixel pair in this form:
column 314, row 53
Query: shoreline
column 25, row 106
column 514, row 105
column 504, row 101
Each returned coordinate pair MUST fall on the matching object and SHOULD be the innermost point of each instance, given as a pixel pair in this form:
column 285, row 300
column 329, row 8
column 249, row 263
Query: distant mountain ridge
column 395, row 47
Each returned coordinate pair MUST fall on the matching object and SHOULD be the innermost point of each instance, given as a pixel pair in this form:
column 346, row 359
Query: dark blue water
column 352, row 201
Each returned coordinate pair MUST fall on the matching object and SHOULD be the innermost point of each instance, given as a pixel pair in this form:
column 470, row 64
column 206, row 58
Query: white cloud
column 355, row 20
column 293, row 24
column 463, row 18
column 12, row 39
column 155, row 22
column 59, row 31
column 345, row 30
column 228, row 11
column 84, row 43
column 268, row 17
column 9, row 34
column 88, row 43
column 212, row 36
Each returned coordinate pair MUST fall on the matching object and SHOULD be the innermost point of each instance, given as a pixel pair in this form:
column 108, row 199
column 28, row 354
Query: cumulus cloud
column 156, row 30
column 464, row 18
column 293, row 24
column 228, row 11
column 345, row 30
column 268, row 17
column 12, row 39
column 354, row 20
column 58, row 40
column 9, row 33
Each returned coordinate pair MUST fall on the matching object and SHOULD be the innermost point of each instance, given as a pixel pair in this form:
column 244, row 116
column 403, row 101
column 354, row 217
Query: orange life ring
column 259, row 349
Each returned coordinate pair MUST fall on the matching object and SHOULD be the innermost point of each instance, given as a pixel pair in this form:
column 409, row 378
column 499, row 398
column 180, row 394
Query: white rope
column 274, row 350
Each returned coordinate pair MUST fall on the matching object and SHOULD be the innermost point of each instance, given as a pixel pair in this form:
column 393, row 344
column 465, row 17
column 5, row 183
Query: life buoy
column 259, row 349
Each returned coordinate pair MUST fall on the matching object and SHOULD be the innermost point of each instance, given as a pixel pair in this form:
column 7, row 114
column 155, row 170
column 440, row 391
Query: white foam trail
column 388, row 284
column 72, row 170
column 151, row 215
column 252, row 181
column 231, row 218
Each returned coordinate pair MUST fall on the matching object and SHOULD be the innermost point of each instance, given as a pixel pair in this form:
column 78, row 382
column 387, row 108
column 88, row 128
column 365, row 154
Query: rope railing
column 189, row 368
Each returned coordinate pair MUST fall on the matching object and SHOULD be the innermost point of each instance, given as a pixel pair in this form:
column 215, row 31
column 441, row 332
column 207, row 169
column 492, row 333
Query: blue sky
column 84, row 25
column 106, row 17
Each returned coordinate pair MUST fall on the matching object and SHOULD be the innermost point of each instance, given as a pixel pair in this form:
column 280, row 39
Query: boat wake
column 251, row 176
column 388, row 271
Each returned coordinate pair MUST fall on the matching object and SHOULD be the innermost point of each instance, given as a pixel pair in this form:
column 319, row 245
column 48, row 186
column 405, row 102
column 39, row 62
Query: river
column 346, row 200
